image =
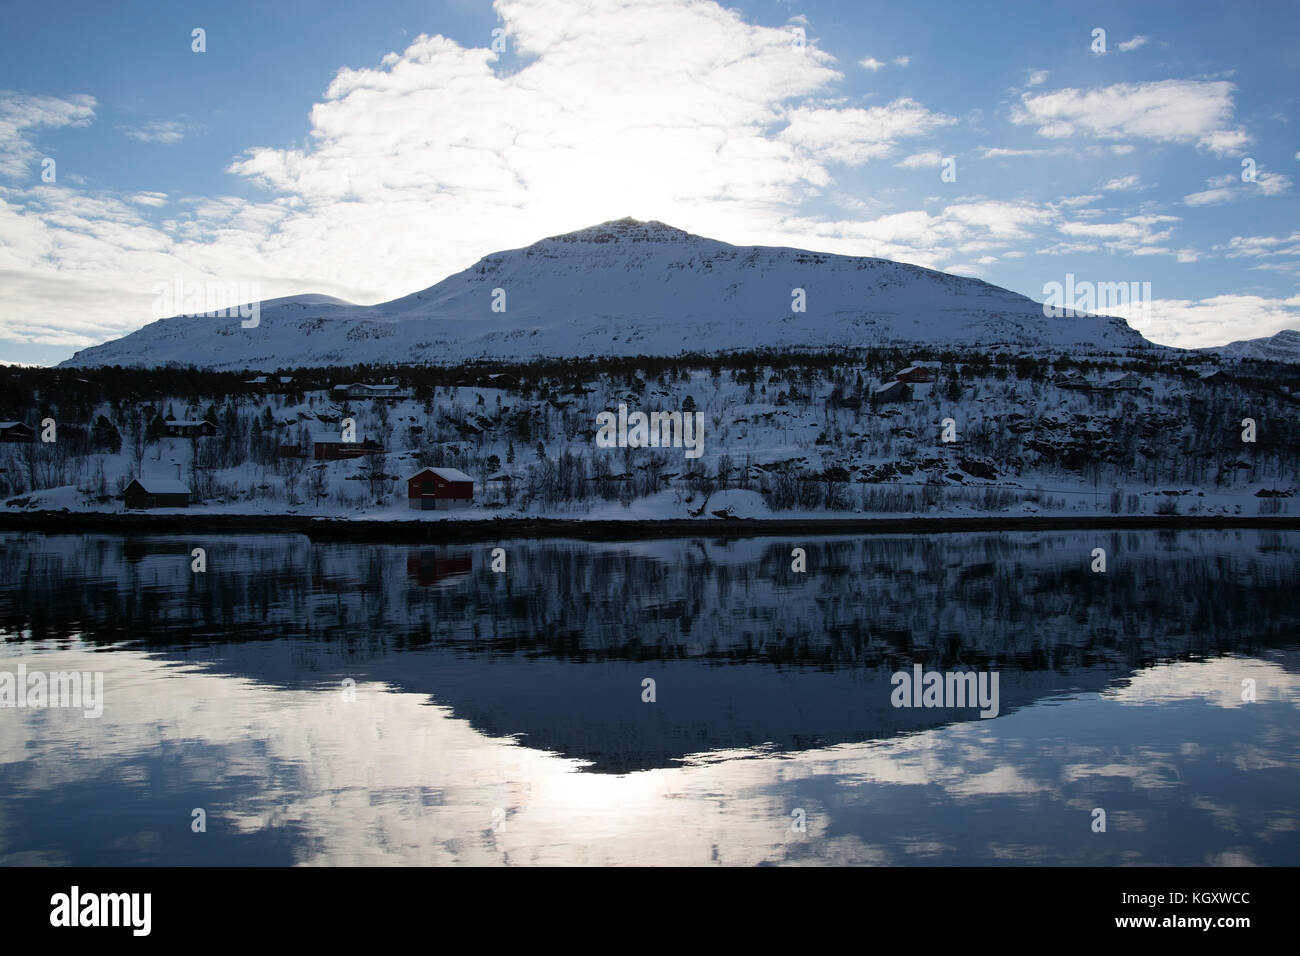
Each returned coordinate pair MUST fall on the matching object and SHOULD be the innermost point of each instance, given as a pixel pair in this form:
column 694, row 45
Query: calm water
column 359, row 704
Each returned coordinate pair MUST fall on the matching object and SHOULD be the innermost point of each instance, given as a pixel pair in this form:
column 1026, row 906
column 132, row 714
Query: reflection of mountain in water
column 744, row 652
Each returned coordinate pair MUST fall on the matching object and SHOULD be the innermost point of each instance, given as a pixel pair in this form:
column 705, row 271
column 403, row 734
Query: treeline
column 29, row 394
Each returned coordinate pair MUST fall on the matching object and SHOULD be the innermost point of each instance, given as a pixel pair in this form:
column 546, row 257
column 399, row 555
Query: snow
column 758, row 437
column 163, row 486
column 1282, row 347
column 737, row 503
column 446, row 474
column 623, row 288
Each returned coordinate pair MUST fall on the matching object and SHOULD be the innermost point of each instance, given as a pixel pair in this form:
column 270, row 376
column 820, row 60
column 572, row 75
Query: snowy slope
column 623, row 288
column 1282, row 347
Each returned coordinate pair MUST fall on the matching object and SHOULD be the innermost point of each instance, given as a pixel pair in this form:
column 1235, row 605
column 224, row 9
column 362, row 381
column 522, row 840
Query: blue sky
column 366, row 151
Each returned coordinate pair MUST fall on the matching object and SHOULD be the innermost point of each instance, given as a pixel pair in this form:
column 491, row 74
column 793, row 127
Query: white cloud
column 999, row 152
column 1228, row 188
column 21, row 115
column 1133, row 44
column 1130, row 181
column 923, row 160
column 1167, row 111
column 1005, row 220
column 872, row 64
column 1201, row 323
column 1208, row 197
column 1037, row 77
column 967, row 228
column 854, row 135
column 1134, row 235
column 166, row 132
column 149, row 199
column 1254, row 247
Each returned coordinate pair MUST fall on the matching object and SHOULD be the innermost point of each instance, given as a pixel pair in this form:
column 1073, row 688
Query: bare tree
column 374, row 471
column 318, row 485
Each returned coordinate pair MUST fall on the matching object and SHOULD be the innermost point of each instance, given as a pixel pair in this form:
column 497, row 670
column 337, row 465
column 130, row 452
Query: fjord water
column 327, row 703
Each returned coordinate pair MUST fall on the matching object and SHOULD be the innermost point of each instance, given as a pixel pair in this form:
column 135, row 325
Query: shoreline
column 495, row 529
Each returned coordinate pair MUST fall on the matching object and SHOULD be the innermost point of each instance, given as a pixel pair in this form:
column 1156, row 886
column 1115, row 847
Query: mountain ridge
column 1283, row 346
column 624, row 287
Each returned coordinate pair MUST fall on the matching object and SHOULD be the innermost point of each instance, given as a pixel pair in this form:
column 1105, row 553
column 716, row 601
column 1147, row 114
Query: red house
column 189, row 428
column 439, row 489
column 915, row 374
column 330, row 447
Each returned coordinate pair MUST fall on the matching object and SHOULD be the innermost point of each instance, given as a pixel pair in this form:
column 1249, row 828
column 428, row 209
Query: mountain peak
column 626, row 229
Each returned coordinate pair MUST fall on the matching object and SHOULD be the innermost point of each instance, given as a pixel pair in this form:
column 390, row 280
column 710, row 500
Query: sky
column 367, row 151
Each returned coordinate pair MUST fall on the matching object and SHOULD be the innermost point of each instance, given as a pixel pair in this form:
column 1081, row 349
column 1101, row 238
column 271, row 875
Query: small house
column 189, row 428
column 361, row 390
column 269, row 384
column 891, row 392
column 156, row 493
column 1072, row 381
column 915, row 374
column 328, row 447
column 16, row 432
column 1128, row 382
column 439, row 489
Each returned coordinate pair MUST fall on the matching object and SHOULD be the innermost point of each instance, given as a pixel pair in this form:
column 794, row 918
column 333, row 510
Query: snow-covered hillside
column 1282, row 347
column 623, row 288
column 812, row 436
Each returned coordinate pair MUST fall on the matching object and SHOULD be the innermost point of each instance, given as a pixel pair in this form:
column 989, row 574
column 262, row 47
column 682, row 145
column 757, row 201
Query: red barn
column 156, row 493
column 439, row 489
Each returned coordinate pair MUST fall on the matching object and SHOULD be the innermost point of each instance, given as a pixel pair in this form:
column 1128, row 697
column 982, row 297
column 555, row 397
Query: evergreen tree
column 953, row 390
column 157, row 429
column 105, row 436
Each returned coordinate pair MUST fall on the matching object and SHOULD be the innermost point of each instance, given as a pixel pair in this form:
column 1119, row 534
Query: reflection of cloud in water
column 1219, row 685
column 390, row 778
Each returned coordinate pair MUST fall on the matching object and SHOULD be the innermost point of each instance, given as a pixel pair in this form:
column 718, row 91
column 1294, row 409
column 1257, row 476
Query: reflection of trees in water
column 1024, row 600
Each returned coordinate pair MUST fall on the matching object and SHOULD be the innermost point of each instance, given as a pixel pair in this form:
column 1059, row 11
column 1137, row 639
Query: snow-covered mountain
column 623, row 288
column 1282, row 347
